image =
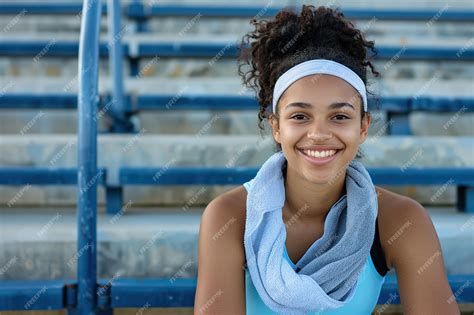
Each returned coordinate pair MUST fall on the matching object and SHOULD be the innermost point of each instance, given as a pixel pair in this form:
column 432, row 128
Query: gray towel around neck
column 330, row 268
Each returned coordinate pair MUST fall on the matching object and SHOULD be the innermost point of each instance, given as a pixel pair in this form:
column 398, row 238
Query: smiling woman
column 310, row 231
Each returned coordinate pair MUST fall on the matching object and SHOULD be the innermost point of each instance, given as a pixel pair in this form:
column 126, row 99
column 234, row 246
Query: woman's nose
column 319, row 131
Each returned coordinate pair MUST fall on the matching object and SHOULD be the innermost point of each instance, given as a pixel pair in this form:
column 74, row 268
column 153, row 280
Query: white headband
column 322, row 66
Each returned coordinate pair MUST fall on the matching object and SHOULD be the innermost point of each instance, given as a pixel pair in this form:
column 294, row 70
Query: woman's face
column 320, row 113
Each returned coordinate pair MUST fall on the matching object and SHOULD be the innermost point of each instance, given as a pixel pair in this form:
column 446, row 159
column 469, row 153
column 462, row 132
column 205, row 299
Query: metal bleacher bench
column 135, row 293
column 462, row 178
column 80, row 295
column 140, row 10
column 397, row 108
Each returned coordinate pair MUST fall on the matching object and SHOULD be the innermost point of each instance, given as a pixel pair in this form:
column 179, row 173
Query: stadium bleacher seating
column 122, row 293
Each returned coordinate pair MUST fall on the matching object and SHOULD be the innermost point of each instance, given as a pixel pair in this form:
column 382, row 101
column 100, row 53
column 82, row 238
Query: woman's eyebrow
column 336, row 105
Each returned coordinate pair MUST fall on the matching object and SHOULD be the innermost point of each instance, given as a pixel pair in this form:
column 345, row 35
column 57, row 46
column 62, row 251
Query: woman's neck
column 313, row 201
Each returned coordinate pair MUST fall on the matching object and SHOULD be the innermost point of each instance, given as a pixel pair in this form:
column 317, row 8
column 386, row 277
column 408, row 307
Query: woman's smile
column 321, row 157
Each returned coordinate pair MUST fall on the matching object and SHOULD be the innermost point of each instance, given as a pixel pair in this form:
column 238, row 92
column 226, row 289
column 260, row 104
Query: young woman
column 310, row 234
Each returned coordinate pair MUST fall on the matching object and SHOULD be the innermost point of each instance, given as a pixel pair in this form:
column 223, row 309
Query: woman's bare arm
column 221, row 279
column 418, row 260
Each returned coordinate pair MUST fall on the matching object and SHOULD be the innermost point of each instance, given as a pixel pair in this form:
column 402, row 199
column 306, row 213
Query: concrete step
column 40, row 244
column 128, row 36
column 61, row 72
column 205, row 25
column 201, row 149
column 431, row 84
column 416, row 38
column 31, row 121
column 42, row 64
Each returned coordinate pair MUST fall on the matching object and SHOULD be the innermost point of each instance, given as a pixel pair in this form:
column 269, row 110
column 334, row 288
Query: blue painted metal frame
column 127, row 293
column 43, row 8
column 155, row 292
column 462, row 177
column 391, row 104
column 15, row 176
column 403, row 105
column 238, row 175
column 442, row 104
column 210, row 50
column 196, row 102
column 61, row 48
column 186, row 175
column 135, row 293
column 43, row 176
column 38, row 101
column 391, row 295
column 120, row 106
column 138, row 10
column 88, row 98
column 422, row 176
column 46, row 294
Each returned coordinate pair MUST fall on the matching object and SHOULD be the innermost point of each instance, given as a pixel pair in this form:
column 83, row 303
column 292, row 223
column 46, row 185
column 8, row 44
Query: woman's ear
column 273, row 120
column 364, row 130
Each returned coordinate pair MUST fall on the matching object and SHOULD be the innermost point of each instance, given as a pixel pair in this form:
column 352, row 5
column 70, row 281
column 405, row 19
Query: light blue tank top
column 363, row 302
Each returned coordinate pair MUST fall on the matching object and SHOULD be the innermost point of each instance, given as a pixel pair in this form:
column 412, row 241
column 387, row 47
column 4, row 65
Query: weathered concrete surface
column 144, row 150
column 416, row 84
column 40, row 244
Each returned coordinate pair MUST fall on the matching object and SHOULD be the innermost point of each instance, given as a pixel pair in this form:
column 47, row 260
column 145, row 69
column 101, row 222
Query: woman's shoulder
column 233, row 202
column 221, row 257
column 226, row 213
column 396, row 216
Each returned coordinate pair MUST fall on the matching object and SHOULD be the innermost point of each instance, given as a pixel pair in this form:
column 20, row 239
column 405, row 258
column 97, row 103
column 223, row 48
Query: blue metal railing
column 396, row 104
column 195, row 49
column 88, row 98
column 139, row 10
column 462, row 178
column 120, row 109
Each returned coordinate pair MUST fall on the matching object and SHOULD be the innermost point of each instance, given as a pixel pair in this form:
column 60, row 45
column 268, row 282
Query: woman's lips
column 319, row 161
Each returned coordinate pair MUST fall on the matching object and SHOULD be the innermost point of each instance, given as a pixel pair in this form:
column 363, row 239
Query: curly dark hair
column 291, row 38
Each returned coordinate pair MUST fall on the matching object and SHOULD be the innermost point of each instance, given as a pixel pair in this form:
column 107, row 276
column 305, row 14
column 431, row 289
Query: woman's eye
column 298, row 115
column 341, row 117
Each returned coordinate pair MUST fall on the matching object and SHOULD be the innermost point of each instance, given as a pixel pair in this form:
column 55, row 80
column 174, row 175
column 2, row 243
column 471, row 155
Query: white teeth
column 321, row 154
